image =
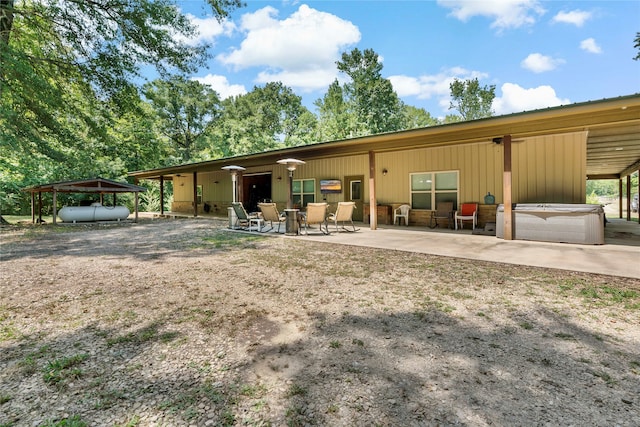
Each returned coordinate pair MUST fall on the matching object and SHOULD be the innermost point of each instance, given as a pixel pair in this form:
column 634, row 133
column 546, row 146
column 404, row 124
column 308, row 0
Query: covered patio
column 609, row 127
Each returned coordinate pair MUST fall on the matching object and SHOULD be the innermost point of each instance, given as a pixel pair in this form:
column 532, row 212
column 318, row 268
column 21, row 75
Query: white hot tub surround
column 555, row 222
column 95, row 212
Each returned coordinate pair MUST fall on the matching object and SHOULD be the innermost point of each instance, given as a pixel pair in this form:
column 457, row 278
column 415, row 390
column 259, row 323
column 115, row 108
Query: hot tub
column 555, row 222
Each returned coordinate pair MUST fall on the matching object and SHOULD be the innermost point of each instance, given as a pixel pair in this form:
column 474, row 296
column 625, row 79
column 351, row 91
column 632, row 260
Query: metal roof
column 93, row 185
column 613, row 141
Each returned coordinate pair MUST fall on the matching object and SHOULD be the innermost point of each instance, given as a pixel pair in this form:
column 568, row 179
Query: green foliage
column 603, row 187
column 74, row 421
column 150, row 199
column 417, row 118
column 264, row 119
column 56, row 371
column 185, row 110
column 472, row 101
column 365, row 105
column 69, row 107
column 592, row 198
column 334, row 119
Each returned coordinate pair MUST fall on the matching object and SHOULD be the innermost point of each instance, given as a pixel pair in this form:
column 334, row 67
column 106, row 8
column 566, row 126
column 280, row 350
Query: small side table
column 259, row 223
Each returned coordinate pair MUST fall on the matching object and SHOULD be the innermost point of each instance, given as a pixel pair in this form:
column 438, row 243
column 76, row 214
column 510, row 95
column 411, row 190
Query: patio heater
column 291, row 225
column 234, row 170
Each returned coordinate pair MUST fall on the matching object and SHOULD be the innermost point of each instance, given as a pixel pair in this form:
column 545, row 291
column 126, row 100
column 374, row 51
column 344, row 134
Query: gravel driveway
column 181, row 322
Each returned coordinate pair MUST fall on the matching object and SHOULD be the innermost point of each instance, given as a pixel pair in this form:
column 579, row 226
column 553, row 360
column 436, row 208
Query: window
column 304, row 192
column 355, row 190
column 430, row 188
column 199, row 194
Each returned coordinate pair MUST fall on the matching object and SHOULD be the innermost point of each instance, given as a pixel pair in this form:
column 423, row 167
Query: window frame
column 434, row 191
column 300, row 196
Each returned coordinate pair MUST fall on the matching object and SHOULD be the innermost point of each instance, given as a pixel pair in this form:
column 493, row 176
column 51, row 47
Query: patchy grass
column 58, row 370
column 199, row 324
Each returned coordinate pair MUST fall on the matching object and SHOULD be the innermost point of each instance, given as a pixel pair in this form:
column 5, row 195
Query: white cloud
column 590, row 45
column 221, row 85
column 433, row 86
column 575, row 17
column 539, row 63
column 427, row 86
column 207, row 30
column 300, row 51
column 516, row 99
column 505, row 13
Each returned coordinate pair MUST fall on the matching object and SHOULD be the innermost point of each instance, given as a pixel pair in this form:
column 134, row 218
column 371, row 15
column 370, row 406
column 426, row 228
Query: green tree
column 371, row 100
column 185, row 110
column 334, row 117
column 471, row 100
column 636, row 44
column 418, row 118
column 67, row 72
column 266, row 118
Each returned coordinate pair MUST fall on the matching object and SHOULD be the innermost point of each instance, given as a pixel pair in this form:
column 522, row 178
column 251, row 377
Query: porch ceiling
column 613, row 151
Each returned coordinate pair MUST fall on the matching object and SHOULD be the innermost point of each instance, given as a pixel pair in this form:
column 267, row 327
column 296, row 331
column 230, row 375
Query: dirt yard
column 184, row 323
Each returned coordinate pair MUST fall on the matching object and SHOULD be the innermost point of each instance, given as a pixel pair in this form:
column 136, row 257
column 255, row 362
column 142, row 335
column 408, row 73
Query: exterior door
column 255, row 189
column 354, row 192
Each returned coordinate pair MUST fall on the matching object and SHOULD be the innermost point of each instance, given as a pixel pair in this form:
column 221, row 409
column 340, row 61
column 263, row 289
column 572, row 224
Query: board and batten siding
column 550, row 169
column 546, row 169
column 333, row 168
column 479, row 166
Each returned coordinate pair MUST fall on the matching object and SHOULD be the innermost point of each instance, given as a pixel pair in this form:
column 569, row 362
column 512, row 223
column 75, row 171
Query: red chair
column 467, row 212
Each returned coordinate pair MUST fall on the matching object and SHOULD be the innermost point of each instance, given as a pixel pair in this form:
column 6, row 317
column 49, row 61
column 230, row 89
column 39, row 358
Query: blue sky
column 538, row 54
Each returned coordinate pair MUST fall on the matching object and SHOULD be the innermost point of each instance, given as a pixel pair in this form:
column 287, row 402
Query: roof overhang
column 613, row 141
column 95, row 185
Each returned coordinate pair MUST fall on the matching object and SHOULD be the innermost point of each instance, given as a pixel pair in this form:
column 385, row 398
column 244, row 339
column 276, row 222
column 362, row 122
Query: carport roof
column 613, row 141
column 94, row 185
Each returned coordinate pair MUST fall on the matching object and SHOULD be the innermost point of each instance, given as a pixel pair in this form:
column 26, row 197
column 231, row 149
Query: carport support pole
column 55, row 205
column 506, row 189
column 135, row 196
column 33, row 207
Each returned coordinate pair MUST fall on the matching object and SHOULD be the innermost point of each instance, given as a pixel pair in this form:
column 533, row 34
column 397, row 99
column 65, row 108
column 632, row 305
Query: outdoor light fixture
column 234, row 170
column 384, row 171
column 291, row 165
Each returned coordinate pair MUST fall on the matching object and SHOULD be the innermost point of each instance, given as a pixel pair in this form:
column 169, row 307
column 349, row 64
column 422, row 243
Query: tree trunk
column 6, row 20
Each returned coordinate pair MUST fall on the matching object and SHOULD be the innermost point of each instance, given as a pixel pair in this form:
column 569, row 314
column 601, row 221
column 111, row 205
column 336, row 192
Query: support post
column 40, row 206
column 506, row 189
column 55, row 205
column 195, row 194
column 373, row 205
column 629, row 197
column 162, row 195
column 620, row 197
column 33, row 207
column 135, row 196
